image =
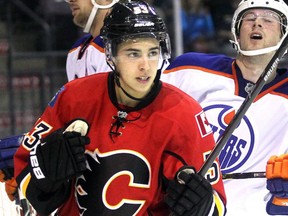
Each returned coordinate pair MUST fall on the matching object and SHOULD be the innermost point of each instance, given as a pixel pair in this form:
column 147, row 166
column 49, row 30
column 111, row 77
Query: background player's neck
column 253, row 66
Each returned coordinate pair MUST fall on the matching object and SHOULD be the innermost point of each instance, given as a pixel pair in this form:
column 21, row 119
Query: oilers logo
column 241, row 143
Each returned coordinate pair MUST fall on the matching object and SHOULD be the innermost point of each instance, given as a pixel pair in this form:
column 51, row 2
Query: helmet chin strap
column 117, row 76
column 94, row 11
column 258, row 51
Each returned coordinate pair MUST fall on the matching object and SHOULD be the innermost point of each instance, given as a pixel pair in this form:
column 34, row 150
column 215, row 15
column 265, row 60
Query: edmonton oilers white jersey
column 86, row 57
column 217, row 83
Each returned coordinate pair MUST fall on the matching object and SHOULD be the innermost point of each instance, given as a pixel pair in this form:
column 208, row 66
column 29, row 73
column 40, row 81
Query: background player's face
column 137, row 61
column 260, row 28
column 81, row 10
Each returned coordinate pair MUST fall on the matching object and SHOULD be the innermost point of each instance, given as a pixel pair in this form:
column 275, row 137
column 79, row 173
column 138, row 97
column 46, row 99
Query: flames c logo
column 108, row 186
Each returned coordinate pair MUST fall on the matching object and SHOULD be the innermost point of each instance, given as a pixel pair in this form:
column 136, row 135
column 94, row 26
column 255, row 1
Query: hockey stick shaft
column 271, row 66
column 244, row 175
column 24, row 204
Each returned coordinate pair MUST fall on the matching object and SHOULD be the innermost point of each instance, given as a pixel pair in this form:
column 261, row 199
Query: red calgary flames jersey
column 126, row 159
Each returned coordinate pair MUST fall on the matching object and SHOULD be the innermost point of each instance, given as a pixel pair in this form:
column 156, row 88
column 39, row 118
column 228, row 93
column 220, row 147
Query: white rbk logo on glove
column 35, row 164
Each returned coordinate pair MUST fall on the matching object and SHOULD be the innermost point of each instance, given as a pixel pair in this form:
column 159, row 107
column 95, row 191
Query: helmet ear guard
column 165, row 46
column 108, row 51
column 278, row 6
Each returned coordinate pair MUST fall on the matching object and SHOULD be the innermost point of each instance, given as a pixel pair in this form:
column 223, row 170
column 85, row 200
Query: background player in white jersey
column 221, row 84
column 87, row 54
column 137, row 133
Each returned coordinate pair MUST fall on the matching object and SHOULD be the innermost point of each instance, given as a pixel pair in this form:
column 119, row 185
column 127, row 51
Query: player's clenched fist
column 189, row 194
column 277, row 167
column 60, row 156
column 277, row 184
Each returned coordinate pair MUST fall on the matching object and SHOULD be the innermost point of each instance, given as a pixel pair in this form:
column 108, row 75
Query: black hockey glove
column 59, row 157
column 189, row 194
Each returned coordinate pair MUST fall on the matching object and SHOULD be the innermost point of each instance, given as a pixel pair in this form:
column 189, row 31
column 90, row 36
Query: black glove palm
column 192, row 196
column 60, row 156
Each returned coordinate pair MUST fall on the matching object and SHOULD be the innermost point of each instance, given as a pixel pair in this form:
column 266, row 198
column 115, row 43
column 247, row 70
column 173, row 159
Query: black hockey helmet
column 133, row 19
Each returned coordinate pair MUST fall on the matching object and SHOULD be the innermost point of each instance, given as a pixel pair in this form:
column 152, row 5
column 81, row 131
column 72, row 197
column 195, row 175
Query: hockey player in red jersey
column 221, row 84
column 120, row 143
column 86, row 56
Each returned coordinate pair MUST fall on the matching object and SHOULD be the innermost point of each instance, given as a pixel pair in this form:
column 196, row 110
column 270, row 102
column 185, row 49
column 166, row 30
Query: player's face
column 81, row 10
column 260, row 28
column 137, row 62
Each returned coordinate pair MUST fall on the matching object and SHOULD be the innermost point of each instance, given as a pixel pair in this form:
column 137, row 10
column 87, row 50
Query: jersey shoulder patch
column 213, row 62
column 98, row 41
column 80, row 41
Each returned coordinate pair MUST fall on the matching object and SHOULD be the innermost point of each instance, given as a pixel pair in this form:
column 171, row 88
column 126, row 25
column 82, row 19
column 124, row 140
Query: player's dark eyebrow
column 137, row 50
column 154, row 48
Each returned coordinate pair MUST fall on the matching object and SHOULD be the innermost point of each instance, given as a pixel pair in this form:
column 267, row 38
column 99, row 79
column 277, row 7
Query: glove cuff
column 277, row 206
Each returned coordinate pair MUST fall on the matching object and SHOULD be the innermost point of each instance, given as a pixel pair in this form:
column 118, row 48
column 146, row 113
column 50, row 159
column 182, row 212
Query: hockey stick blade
column 245, row 105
